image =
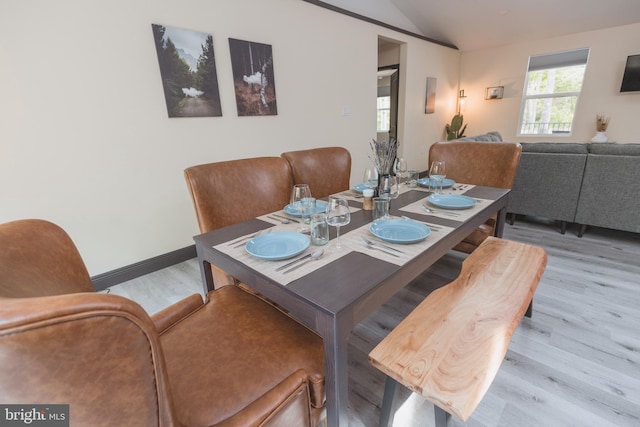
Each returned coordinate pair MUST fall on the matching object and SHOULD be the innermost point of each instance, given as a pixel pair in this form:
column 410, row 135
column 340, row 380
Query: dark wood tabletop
column 335, row 297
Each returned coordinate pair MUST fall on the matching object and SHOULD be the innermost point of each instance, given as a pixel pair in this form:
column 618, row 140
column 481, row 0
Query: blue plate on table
column 359, row 188
column 451, row 201
column 426, row 182
column 320, row 207
column 399, row 230
column 277, row 245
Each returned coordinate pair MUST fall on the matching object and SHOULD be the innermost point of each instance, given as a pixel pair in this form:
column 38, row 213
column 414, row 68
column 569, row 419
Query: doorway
column 387, row 102
column 388, row 88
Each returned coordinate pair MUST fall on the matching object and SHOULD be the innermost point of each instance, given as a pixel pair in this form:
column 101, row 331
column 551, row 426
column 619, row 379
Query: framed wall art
column 188, row 71
column 494, row 92
column 253, row 78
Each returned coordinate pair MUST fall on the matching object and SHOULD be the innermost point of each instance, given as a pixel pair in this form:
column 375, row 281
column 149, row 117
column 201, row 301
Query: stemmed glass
column 401, row 167
column 370, row 178
column 301, row 201
column 338, row 215
column 436, row 175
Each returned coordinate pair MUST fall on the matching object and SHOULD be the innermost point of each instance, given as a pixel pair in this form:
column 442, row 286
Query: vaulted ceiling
column 478, row 24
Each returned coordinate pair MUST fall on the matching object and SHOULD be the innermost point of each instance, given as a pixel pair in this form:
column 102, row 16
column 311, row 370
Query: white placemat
column 460, row 215
column 354, row 241
column 351, row 241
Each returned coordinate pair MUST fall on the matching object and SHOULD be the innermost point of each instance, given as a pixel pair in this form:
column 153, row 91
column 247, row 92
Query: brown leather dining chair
column 327, row 170
column 232, row 360
column 225, row 193
column 489, row 164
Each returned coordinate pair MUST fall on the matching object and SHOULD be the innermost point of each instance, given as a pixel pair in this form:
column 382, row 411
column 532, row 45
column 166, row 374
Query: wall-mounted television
column 631, row 77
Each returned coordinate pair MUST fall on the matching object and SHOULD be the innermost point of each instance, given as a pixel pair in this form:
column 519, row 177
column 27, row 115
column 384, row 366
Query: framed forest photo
column 253, row 78
column 188, row 71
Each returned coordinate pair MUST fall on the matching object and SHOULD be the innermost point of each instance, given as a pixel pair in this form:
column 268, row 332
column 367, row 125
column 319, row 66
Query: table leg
column 206, row 274
column 500, row 220
column 335, row 336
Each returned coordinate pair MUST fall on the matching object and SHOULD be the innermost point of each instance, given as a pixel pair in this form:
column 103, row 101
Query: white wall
column 507, row 65
column 84, row 136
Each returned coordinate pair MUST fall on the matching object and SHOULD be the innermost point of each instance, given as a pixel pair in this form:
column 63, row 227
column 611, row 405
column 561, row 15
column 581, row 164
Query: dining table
column 332, row 294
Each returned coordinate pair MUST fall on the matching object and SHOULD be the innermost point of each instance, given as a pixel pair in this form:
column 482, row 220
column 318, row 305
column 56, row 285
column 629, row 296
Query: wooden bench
column 450, row 347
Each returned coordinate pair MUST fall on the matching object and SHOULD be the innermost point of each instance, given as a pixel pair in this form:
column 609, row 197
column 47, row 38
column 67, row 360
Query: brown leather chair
column 327, row 170
column 232, row 360
column 490, row 164
column 225, row 193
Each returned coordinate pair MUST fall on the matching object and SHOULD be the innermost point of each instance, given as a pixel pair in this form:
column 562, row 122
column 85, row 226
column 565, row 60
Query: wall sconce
column 461, row 100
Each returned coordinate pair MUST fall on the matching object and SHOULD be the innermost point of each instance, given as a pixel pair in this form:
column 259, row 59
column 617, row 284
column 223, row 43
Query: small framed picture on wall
column 495, row 92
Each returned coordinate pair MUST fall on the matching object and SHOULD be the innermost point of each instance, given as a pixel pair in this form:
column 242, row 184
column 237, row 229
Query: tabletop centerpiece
column 384, row 157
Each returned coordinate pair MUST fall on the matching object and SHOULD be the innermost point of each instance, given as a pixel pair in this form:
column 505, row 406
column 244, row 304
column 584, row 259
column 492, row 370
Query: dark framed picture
column 188, row 71
column 253, row 78
column 495, row 92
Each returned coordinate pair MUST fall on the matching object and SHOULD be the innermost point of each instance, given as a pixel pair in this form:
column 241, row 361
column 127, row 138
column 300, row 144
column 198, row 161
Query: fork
column 370, row 246
column 372, row 243
column 282, row 221
column 428, row 209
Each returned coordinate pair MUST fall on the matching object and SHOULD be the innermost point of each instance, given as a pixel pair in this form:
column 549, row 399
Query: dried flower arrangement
column 602, row 122
column 384, row 154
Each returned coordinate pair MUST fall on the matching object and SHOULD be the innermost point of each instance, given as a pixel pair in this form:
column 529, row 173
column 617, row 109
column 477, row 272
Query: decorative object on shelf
column 456, row 129
column 602, row 123
column 495, row 92
column 430, row 100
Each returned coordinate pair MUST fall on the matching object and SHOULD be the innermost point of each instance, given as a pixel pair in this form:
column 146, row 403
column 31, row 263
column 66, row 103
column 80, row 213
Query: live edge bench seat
column 450, row 347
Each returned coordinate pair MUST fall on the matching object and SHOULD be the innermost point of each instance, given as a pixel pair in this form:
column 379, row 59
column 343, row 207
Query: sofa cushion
column 615, row 149
column 554, row 147
column 486, row 137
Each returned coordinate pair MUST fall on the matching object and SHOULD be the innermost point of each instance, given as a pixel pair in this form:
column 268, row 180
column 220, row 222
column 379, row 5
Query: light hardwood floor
column 575, row 363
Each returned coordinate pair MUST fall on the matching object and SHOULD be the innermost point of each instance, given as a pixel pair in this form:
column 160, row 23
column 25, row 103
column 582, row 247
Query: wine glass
column 401, row 167
column 436, row 175
column 370, row 178
column 301, row 201
column 338, row 215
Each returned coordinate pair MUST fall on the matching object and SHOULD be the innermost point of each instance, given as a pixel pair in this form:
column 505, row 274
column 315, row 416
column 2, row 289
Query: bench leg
column 563, row 227
column 529, row 311
column 386, row 411
column 442, row 416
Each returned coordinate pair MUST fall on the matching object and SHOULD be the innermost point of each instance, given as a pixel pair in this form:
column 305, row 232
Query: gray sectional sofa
column 594, row 184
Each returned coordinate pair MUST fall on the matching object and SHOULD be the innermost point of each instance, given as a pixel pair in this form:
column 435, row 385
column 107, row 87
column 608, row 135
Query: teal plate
column 277, row 245
column 320, row 208
column 451, row 201
column 399, row 230
column 426, row 182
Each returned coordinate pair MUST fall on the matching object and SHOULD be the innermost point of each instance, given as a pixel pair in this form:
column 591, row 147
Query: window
column 384, row 111
column 551, row 91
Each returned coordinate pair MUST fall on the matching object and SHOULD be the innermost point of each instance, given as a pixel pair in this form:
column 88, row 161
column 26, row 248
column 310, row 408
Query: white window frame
column 545, row 62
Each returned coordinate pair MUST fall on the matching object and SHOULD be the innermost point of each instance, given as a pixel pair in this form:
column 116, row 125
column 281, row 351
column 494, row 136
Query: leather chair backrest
column 327, row 170
column 490, row 164
column 98, row 353
column 38, row 258
column 225, row 193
